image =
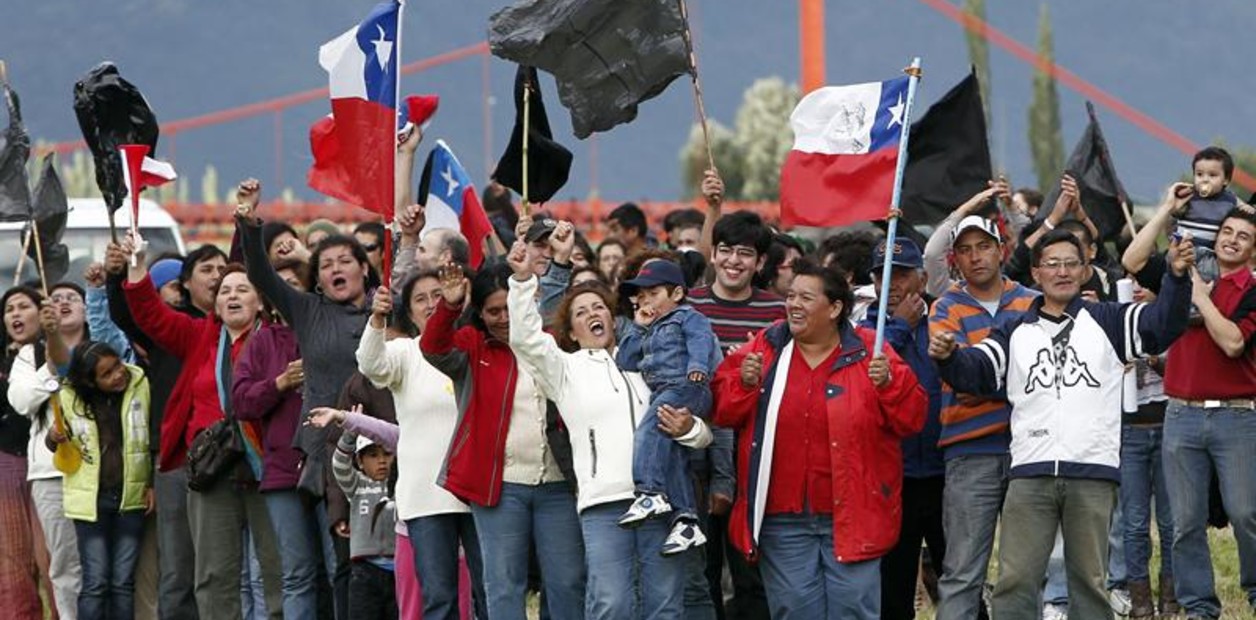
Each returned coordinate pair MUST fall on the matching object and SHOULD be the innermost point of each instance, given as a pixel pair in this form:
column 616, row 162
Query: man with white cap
column 975, row 433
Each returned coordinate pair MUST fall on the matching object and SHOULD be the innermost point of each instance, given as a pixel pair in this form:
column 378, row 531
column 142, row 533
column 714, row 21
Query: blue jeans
column 1142, row 480
column 659, row 464
column 252, row 594
column 971, row 501
column 543, row 516
column 804, row 580
column 108, row 550
column 1197, row 441
column 628, row 578
column 436, row 539
column 297, row 534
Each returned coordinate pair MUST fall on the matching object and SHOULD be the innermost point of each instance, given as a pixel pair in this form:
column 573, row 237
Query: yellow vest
column 81, row 487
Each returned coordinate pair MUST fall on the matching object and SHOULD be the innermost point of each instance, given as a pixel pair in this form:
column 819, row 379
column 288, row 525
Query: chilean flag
column 841, row 169
column 354, row 150
column 450, row 200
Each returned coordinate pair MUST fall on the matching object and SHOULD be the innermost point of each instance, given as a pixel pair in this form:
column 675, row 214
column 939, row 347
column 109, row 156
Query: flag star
column 896, row 113
column 383, row 49
column 452, row 183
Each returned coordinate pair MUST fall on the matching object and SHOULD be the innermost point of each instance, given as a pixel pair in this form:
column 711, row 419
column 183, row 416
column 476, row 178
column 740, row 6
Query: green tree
column 979, row 53
column 1045, row 141
column 693, row 160
column 763, row 135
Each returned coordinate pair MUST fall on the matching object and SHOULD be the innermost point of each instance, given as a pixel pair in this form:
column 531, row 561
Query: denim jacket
column 669, row 349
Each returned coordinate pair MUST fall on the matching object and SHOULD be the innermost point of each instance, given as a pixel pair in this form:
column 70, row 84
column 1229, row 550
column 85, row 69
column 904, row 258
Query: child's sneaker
column 646, row 506
column 685, row 535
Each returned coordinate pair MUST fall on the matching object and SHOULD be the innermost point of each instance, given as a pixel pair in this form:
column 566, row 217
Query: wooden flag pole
column 527, row 129
column 39, row 257
column 21, row 259
column 697, row 86
column 1129, row 218
column 913, row 72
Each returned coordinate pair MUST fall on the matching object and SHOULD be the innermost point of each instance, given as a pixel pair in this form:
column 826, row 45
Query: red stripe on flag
column 353, row 155
column 475, row 225
column 819, row 189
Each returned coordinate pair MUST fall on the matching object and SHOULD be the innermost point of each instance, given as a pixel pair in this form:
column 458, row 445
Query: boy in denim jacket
column 674, row 348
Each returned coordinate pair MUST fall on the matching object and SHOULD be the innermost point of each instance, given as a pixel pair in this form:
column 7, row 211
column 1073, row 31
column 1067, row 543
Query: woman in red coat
column 819, row 469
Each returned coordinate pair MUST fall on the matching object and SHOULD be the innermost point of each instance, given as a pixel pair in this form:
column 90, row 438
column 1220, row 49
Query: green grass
column 1225, row 566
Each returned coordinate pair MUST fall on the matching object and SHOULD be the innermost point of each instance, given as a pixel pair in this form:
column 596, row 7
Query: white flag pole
column 913, row 72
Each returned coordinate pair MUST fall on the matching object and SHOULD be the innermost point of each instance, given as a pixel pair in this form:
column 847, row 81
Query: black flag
column 111, row 111
column 15, row 150
column 607, row 55
column 948, row 156
column 1101, row 191
column 549, row 162
column 50, row 210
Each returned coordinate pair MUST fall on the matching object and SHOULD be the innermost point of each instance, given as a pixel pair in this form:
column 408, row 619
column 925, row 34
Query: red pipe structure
column 1084, row 88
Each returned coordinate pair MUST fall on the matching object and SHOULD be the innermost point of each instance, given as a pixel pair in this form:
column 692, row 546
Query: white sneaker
column 1054, row 612
column 685, row 535
column 646, row 506
column 1119, row 598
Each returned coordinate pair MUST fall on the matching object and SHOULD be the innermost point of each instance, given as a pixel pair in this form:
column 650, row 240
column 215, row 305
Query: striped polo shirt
column 982, row 427
column 731, row 320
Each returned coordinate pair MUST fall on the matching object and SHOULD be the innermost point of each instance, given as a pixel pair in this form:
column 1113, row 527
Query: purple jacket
column 254, row 396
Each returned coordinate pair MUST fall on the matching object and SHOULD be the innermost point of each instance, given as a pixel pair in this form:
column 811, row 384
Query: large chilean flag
column 354, row 149
column 841, row 169
column 450, row 200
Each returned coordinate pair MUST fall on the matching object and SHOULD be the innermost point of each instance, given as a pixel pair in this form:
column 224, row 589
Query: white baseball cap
column 979, row 223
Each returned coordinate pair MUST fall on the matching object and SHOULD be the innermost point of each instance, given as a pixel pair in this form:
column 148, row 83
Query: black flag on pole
column 549, row 163
column 948, row 156
column 111, row 112
column 15, row 150
column 49, row 209
column 1101, row 191
column 608, row 56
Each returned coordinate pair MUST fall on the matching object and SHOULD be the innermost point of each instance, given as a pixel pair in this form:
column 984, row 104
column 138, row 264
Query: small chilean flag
column 450, row 201
column 353, row 156
column 841, row 169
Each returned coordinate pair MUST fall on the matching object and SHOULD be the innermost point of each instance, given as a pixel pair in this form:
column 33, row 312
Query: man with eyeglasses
column 1061, row 365
column 735, row 308
column 371, row 236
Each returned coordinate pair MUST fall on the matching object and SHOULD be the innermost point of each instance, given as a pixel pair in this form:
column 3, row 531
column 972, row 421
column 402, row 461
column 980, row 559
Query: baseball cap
column 653, row 273
column 165, row 271
column 906, row 254
column 540, row 229
column 979, row 223
column 364, row 442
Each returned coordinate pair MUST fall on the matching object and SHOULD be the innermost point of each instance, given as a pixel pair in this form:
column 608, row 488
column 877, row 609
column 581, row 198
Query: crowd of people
column 286, row 430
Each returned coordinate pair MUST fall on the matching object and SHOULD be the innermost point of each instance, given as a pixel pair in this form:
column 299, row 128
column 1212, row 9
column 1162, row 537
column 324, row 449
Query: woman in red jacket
column 208, row 348
column 819, row 467
column 502, row 460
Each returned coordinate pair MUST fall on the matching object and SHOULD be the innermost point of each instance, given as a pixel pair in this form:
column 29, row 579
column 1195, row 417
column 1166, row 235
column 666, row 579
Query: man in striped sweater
column 975, row 434
column 735, row 308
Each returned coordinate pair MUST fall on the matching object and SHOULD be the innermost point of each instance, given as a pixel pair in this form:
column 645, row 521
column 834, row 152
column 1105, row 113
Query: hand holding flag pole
column 913, row 72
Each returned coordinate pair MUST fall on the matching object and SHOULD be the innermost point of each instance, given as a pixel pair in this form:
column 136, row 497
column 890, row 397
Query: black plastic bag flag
column 549, row 163
column 1102, row 194
column 49, row 209
column 608, row 56
column 948, row 156
column 111, row 112
column 15, row 150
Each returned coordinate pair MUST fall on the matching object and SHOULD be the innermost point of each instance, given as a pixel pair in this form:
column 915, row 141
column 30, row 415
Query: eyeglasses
column 370, row 247
column 68, row 298
column 1056, row 265
column 741, row 251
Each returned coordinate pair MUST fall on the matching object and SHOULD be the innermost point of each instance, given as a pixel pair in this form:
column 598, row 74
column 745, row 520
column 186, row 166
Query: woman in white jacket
column 437, row 522
column 64, row 323
column 601, row 405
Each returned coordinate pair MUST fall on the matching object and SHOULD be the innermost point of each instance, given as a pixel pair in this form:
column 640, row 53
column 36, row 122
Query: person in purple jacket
column 267, row 388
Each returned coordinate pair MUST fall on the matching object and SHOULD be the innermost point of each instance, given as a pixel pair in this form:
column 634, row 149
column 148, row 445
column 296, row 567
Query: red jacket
column 484, row 373
column 193, row 341
column 866, row 426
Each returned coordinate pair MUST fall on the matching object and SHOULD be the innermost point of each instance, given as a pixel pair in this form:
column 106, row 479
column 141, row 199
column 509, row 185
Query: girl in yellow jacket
column 105, row 403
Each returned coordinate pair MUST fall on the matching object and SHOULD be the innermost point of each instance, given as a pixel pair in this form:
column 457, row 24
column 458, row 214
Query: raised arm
column 439, row 342
column 101, row 327
column 534, row 349
column 384, row 366
column 1144, row 243
column 713, row 193
column 342, row 463
column 169, row 329
column 288, row 301
column 383, row 432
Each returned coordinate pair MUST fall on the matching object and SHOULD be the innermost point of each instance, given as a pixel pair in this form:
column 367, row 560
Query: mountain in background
column 1168, row 59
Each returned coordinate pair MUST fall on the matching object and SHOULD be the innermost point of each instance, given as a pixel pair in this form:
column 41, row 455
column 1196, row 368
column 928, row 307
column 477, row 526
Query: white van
column 87, row 236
